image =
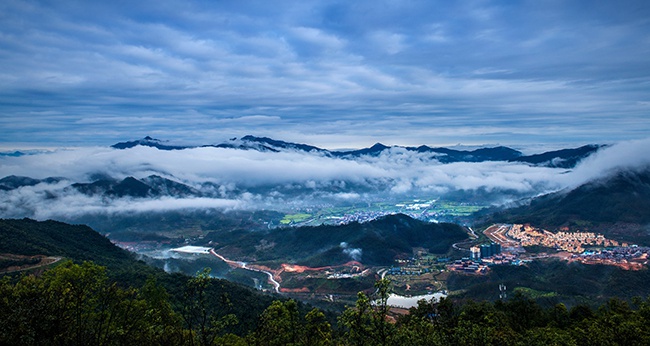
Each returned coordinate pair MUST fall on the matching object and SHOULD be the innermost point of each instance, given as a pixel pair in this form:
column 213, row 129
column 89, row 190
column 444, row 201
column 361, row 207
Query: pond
column 412, row 301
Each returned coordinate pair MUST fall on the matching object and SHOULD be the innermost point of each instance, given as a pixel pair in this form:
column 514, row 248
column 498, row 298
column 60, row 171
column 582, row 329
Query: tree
column 279, row 324
column 202, row 318
column 318, row 330
column 162, row 324
column 72, row 304
column 367, row 323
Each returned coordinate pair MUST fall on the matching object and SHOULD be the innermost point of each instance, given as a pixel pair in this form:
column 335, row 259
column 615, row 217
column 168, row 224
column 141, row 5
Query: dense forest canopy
column 76, row 304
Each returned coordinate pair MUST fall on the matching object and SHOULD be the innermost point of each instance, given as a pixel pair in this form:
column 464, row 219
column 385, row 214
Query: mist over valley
column 285, row 177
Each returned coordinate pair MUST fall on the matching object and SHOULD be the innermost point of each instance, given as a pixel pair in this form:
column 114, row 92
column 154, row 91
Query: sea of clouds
column 241, row 179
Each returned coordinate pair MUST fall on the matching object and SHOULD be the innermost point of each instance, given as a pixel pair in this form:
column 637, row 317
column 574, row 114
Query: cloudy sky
column 337, row 74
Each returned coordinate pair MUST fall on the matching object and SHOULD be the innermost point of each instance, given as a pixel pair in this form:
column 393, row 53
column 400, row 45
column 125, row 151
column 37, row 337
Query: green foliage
column 80, row 243
column 205, row 321
column 10, row 262
column 367, row 323
column 29, row 237
column 88, row 304
column 75, row 304
column 571, row 283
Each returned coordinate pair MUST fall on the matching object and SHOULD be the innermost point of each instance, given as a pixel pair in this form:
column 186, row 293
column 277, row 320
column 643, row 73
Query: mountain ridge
column 564, row 158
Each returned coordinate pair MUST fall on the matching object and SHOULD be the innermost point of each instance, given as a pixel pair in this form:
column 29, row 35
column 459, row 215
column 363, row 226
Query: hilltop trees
column 77, row 304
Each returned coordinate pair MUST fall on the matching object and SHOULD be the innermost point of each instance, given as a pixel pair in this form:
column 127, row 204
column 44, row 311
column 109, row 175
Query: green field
column 457, row 209
column 295, row 218
column 335, row 214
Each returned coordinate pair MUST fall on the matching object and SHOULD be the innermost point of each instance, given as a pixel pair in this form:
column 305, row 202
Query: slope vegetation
column 617, row 206
column 377, row 242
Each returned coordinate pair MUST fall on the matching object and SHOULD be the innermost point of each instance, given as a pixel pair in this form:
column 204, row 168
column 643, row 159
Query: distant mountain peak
column 148, row 142
column 565, row 158
column 379, row 146
column 278, row 144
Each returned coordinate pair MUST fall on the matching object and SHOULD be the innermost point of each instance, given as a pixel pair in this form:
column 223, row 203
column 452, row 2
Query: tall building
column 495, row 248
column 475, row 253
column 486, row 250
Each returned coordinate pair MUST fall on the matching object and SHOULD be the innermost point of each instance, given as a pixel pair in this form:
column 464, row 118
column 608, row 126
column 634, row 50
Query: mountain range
column 565, row 158
column 151, row 186
column 159, row 183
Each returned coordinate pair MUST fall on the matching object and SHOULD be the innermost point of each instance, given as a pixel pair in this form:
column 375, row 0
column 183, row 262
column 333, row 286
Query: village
column 506, row 245
column 584, row 247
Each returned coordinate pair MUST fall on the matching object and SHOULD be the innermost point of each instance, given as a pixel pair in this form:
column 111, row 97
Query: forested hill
column 53, row 238
column 617, row 206
column 79, row 304
column 376, row 242
column 80, row 243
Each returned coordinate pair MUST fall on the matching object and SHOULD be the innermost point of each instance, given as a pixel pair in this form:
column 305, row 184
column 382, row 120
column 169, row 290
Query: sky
column 336, row 74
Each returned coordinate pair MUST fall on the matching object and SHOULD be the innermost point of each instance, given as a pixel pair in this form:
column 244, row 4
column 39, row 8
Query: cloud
column 144, row 69
column 391, row 43
column 239, row 179
column 354, row 253
column 624, row 156
column 52, row 201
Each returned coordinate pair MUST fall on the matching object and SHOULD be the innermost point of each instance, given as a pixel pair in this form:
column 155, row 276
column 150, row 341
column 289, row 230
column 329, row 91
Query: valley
column 319, row 173
column 427, row 209
column 418, row 216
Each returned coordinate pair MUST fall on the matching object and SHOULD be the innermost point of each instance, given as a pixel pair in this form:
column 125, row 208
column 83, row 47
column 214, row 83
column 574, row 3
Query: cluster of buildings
column 416, row 205
column 480, row 257
column 407, row 271
column 484, row 251
column 633, row 257
column 570, row 246
column 363, row 216
column 468, row 266
column 573, row 242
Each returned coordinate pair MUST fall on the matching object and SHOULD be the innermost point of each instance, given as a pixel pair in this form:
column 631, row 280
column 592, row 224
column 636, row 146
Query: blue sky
column 336, row 74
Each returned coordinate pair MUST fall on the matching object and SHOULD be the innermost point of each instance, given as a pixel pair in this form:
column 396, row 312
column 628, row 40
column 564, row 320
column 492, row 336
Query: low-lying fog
column 240, row 179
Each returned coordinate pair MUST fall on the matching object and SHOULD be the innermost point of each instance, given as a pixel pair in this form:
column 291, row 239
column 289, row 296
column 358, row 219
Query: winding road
column 44, row 262
column 239, row 264
column 472, row 235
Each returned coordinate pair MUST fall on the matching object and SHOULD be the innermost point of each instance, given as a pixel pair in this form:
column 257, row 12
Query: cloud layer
column 332, row 73
column 239, row 179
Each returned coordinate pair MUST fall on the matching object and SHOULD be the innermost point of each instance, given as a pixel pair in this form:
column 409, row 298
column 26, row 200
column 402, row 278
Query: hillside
column 52, row 238
column 564, row 158
column 376, row 242
column 617, row 206
column 554, row 281
column 81, row 243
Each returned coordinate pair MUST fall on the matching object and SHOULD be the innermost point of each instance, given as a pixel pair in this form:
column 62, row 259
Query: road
column 239, row 264
column 498, row 234
column 471, row 234
column 44, row 262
